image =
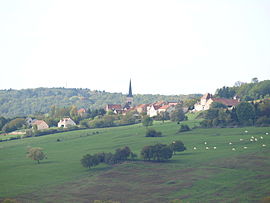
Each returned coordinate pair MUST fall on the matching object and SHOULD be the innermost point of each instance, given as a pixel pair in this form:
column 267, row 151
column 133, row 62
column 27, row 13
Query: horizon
column 167, row 48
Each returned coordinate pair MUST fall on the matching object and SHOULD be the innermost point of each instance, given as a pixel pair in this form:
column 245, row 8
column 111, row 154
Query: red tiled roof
column 38, row 122
column 227, row 102
column 165, row 106
column 114, row 106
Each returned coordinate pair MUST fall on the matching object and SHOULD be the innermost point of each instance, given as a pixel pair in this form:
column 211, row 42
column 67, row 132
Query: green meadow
column 201, row 175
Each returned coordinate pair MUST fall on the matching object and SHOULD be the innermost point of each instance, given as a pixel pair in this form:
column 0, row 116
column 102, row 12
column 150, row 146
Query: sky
column 164, row 47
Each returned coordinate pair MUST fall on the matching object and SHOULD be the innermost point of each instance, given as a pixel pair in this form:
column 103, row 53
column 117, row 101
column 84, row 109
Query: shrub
column 184, row 128
column 158, row 152
column 178, row 146
column 153, row 133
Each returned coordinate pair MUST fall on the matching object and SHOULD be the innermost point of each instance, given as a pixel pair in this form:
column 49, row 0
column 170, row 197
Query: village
column 152, row 110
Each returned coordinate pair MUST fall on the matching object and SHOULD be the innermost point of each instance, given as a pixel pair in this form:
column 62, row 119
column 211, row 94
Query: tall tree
column 36, row 154
column 245, row 113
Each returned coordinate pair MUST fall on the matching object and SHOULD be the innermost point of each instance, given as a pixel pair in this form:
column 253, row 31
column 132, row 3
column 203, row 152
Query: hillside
column 215, row 175
column 30, row 101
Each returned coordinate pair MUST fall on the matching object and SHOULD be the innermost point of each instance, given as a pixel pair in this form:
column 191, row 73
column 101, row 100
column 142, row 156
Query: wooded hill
column 32, row 101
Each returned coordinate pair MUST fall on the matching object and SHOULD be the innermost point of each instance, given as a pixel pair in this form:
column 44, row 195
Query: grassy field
column 213, row 175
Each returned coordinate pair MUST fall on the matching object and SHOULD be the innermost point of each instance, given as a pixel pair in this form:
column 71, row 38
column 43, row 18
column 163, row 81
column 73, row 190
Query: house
column 141, row 108
column 152, row 110
column 41, row 125
column 66, row 122
column 166, row 108
column 207, row 99
column 116, row 108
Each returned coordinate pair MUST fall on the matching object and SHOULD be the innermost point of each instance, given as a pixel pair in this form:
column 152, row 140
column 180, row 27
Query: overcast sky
column 165, row 47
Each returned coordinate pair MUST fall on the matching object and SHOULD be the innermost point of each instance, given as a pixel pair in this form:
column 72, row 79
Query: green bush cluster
column 120, row 155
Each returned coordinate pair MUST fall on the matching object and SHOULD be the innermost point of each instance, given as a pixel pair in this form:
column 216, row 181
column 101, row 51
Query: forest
column 25, row 102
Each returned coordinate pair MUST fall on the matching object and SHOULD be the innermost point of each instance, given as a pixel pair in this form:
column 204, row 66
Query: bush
column 158, row 152
column 178, row 146
column 184, row 128
column 153, row 133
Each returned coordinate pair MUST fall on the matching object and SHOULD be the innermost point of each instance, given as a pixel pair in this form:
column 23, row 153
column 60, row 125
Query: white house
column 152, row 110
column 66, row 122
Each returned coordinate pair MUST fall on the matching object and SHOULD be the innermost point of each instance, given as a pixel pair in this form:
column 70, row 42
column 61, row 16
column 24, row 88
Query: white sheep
column 266, row 133
column 255, row 139
column 261, row 137
column 246, row 131
column 241, row 139
column 205, row 142
column 252, row 137
column 215, row 147
column 264, row 145
column 194, row 148
column 251, row 140
column 230, row 143
column 245, row 147
column 233, row 149
column 206, row 147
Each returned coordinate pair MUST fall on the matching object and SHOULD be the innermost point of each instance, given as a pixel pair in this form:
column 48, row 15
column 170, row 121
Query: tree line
column 244, row 114
column 158, row 152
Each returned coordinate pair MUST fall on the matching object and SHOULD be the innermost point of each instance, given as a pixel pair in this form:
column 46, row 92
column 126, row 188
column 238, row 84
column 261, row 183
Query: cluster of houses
column 152, row 110
column 41, row 124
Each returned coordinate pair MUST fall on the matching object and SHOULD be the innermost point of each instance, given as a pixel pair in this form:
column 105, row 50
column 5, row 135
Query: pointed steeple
column 130, row 90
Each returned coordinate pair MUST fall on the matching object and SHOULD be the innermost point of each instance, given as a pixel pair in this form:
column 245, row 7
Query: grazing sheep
column 215, row 147
column 245, row 147
column 230, row 143
column 233, row 149
column 205, row 142
column 251, row 140
column 241, row 139
column 266, row 133
column 261, row 137
column 246, row 131
column 252, row 137
column 264, row 145
column 256, row 139
column 206, row 147
column 194, row 148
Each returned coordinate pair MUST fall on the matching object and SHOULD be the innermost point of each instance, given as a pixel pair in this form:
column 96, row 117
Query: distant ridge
column 30, row 101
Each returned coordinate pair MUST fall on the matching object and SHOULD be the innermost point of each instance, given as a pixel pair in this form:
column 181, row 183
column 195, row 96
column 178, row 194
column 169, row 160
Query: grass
column 201, row 175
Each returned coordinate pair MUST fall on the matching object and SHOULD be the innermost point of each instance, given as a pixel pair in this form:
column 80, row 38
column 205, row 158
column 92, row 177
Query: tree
column 178, row 146
column 89, row 160
column 36, row 154
column 14, row 124
column 156, row 152
column 122, row 154
column 225, row 92
column 153, row 133
column 245, row 113
column 3, row 121
column 184, row 128
column 147, row 121
column 178, row 114
column 254, row 80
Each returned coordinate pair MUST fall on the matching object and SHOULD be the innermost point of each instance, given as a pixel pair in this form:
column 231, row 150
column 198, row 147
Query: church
column 118, row 108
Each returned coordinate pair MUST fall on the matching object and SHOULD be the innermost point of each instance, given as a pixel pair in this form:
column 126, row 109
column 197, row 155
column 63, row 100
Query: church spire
column 130, row 90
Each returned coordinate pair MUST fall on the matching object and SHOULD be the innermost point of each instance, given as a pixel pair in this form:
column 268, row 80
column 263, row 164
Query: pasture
column 216, row 174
